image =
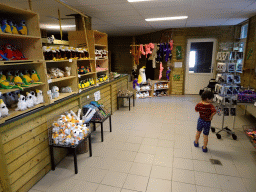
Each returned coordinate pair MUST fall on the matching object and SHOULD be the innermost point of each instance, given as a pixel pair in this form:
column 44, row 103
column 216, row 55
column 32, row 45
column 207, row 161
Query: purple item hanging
column 168, row 74
column 135, row 82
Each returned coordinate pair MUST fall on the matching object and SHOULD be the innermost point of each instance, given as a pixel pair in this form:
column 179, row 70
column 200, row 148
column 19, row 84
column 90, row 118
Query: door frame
column 214, row 54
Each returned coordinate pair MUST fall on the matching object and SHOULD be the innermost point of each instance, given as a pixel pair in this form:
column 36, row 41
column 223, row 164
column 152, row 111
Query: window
column 192, row 59
column 244, row 29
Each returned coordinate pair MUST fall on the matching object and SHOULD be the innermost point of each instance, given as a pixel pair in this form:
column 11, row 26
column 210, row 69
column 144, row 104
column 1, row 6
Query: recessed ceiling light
column 137, row 0
column 167, row 18
column 56, row 26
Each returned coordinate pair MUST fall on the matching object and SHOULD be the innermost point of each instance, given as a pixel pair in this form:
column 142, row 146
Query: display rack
column 250, row 131
column 30, row 46
column 230, row 61
column 161, row 88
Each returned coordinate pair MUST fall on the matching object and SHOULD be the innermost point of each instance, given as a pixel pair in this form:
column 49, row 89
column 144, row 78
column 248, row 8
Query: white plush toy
column 67, row 71
column 40, row 97
column 22, row 104
column 3, row 109
column 55, row 92
column 59, row 72
column 66, row 90
column 16, row 95
column 29, row 100
column 142, row 75
column 10, row 100
column 34, row 97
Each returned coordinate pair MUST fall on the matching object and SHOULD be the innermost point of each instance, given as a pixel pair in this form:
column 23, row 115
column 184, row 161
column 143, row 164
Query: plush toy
column 29, row 100
column 2, row 76
column 52, row 73
column 10, row 100
column 17, row 79
column 66, row 90
column 148, row 48
column 35, row 77
column 142, row 75
column 16, row 95
column 9, row 76
column 142, row 50
column 14, row 29
column 25, row 79
column 2, row 56
column 168, row 73
column 22, row 104
column 55, row 92
column 59, row 72
column 161, row 70
column 3, row 109
column 17, row 54
column 40, row 97
column 8, row 52
column 5, row 27
column 34, row 97
column 22, row 29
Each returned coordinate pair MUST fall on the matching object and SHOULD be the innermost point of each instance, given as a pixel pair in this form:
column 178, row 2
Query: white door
column 201, row 54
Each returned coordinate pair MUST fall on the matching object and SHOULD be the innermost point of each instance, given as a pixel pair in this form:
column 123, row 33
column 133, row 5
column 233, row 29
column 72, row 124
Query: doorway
column 199, row 64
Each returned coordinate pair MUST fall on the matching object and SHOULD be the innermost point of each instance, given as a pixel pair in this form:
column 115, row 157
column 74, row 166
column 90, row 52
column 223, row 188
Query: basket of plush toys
column 94, row 111
column 69, row 130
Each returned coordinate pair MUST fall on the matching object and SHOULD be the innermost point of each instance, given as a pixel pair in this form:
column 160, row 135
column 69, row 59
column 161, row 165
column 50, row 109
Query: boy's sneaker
column 204, row 150
column 196, row 144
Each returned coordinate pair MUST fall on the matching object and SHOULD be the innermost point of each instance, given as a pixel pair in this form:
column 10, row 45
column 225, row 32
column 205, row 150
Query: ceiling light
column 167, row 18
column 137, row 0
column 56, row 26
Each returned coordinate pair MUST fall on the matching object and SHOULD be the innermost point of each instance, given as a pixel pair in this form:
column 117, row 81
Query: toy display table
column 73, row 148
column 128, row 97
column 101, row 122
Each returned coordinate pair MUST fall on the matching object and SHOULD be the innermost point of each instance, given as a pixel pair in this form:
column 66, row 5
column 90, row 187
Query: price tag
column 49, row 80
column 79, row 76
column 80, row 91
column 70, row 60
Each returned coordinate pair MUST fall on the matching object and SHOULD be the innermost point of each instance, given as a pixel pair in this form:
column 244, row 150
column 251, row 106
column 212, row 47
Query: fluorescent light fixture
column 167, row 18
column 56, row 26
column 132, row 1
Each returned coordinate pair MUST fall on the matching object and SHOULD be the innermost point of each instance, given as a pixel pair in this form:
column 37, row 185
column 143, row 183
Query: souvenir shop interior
column 101, row 96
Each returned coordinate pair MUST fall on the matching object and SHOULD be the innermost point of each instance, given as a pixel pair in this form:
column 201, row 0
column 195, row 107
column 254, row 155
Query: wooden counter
column 24, row 148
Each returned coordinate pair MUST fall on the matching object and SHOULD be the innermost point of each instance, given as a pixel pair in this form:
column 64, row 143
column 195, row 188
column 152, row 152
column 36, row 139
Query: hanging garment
column 153, row 56
column 171, row 45
column 142, row 50
column 148, row 48
column 161, row 70
column 168, row 52
column 168, row 73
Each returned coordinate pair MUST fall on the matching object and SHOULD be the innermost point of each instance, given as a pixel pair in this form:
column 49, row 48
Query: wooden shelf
column 161, row 89
column 90, row 59
column 162, row 82
column 144, row 97
column 18, row 62
column 59, row 61
column 62, row 95
column 17, row 36
column 87, row 74
column 87, row 88
column 61, row 79
column 101, row 71
column 102, row 59
column 144, row 90
column 99, row 45
column 13, row 113
column 16, row 89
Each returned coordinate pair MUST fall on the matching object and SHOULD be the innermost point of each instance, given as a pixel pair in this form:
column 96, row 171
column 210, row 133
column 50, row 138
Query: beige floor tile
column 148, row 149
column 92, row 174
column 105, row 188
column 150, row 141
column 135, row 182
column 127, row 155
column 144, row 158
column 250, row 184
column 206, row 179
column 121, row 166
column 127, row 190
column 163, row 160
column 46, row 182
column 181, row 163
column 180, row 187
column 181, row 153
column 133, row 139
column 204, row 166
column 161, row 172
column 168, row 152
column 165, row 143
column 227, row 168
column 114, row 179
column 231, row 183
column 131, row 147
column 183, row 176
column 153, row 135
column 207, row 189
column 140, row 169
column 159, row 185
column 166, row 136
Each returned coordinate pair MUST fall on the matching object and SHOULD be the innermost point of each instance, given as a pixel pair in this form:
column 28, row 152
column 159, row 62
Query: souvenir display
column 124, row 93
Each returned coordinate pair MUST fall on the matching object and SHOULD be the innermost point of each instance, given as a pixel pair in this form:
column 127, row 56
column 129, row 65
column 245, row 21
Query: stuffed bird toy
column 5, row 27
column 22, row 104
column 26, row 79
column 17, row 79
column 10, row 100
column 2, row 76
column 34, row 97
column 142, row 75
column 26, row 72
column 11, row 25
column 14, row 29
column 9, row 76
column 35, row 77
column 22, row 28
column 29, row 100
column 40, row 98
column 8, row 52
column 2, row 56
column 3, row 109
column 55, row 92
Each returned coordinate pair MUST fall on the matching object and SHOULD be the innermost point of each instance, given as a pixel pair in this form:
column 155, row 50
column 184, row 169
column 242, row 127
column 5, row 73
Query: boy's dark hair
column 207, row 95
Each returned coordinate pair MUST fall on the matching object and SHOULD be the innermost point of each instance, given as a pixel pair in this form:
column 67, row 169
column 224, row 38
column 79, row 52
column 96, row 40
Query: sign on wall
column 97, row 96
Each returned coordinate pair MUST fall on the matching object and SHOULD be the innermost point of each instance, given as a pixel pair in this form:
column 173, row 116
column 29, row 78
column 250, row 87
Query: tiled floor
column 151, row 149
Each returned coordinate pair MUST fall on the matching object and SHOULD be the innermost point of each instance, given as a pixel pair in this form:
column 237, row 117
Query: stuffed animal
column 8, row 52
column 22, row 104
column 22, row 29
column 9, row 76
column 53, row 73
column 10, row 99
column 2, row 56
column 34, row 97
column 16, row 95
column 35, row 77
column 2, row 76
column 29, row 100
column 59, row 72
column 66, row 90
column 55, row 92
column 142, row 75
column 17, row 79
column 14, row 29
column 3, row 109
column 40, row 97
column 5, row 27
column 67, row 71
column 161, row 70
column 25, row 79
column 17, row 54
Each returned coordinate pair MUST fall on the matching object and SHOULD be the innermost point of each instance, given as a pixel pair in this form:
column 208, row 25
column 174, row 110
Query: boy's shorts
column 203, row 125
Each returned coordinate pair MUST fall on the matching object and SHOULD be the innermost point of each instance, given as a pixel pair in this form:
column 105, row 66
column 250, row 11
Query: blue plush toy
column 22, row 28
column 5, row 27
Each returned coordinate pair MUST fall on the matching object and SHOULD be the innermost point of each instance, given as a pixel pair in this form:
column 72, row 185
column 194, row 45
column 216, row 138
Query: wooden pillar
column 79, row 22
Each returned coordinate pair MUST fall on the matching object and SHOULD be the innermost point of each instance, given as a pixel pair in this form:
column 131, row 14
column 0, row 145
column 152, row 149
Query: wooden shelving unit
column 62, row 96
column 167, row 90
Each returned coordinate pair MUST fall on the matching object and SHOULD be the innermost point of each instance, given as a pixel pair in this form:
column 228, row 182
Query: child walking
column 206, row 111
